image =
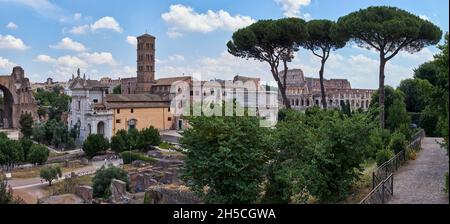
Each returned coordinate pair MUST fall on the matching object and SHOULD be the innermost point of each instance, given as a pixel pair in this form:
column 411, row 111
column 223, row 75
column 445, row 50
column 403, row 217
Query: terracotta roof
column 118, row 101
column 146, row 35
column 80, row 83
column 169, row 81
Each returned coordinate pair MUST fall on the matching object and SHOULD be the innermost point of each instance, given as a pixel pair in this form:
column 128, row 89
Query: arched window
column 296, row 102
column 101, row 128
column 132, row 124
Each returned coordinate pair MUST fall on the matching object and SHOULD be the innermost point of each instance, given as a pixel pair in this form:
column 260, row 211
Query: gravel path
column 421, row 181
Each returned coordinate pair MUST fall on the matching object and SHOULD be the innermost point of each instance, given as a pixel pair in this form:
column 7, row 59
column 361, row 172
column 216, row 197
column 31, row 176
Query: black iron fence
column 381, row 193
column 383, row 176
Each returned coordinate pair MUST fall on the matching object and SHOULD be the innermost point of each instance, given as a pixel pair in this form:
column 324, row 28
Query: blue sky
column 53, row 38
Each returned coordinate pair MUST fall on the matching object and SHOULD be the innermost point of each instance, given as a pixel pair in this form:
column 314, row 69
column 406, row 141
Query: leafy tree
column 10, row 153
column 50, row 173
column 133, row 138
column 391, row 95
column 26, row 144
column 6, row 194
column 320, row 156
column 398, row 115
column 398, row 142
column 26, row 125
column 417, row 93
column 384, row 156
column 39, row 132
column 323, row 37
column 429, row 122
column 94, row 144
column 117, row 89
column 430, row 71
column 102, row 180
column 119, row 142
column 38, row 154
column 388, row 30
column 148, row 137
column 273, row 42
column 225, row 159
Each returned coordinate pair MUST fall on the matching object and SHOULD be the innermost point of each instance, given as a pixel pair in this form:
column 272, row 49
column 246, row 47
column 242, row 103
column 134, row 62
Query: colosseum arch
column 17, row 99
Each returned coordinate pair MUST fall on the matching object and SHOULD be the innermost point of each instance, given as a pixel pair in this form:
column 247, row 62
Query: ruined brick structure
column 17, row 98
column 304, row 92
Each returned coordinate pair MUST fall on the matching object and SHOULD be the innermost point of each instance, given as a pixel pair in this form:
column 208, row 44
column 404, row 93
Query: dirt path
column 421, row 181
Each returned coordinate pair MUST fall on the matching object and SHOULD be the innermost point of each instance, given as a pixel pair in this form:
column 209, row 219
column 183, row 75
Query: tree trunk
column 281, row 88
column 50, row 183
column 322, row 87
column 381, row 91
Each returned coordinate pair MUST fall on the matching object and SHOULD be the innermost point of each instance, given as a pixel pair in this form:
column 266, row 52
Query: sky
column 50, row 38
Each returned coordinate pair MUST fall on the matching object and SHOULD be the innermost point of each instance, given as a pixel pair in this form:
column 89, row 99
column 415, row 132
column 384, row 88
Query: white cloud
column 424, row 17
column 68, row 44
column 11, row 42
column 44, row 58
column 174, row 34
column 131, row 40
column 66, row 65
column 77, row 16
column 43, row 7
column 6, row 64
column 291, row 8
column 176, row 57
column 106, row 22
column 184, row 18
column 12, row 26
column 83, row 29
column 103, row 58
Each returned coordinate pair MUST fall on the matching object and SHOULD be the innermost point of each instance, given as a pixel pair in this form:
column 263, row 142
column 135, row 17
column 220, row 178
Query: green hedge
column 128, row 157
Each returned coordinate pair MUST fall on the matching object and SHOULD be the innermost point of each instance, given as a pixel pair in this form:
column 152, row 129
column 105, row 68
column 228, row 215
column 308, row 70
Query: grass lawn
column 54, row 154
column 363, row 186
column 165, row 145
column 34, row 172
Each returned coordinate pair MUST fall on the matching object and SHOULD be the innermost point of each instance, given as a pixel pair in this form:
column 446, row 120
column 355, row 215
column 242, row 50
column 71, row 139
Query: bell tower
column 145, row 63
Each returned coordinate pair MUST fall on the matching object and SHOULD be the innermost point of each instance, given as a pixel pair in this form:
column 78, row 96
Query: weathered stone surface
column 84, row 161
column 170, row 178
column 119, row 191
column 84, row 192
column 138, row 163
column 61, row 199
column 166, row 163
column 144, row 181
column 155, row 154
column 170, row 194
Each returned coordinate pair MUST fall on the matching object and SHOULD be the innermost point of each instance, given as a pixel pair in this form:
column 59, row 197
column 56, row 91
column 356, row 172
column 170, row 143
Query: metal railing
column 381, row 193
column 388, row 167
column 383, row 176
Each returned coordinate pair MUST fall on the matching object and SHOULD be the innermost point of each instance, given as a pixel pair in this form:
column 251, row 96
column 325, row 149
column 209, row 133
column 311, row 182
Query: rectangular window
column 132, row 110
column 118, row 121
column 169, row 119
column 95, row 100
column 118, row 111
column 79, row 105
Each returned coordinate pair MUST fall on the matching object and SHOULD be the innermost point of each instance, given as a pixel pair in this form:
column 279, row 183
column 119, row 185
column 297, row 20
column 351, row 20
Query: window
column 148, row 68
column 95, row 100
column 169, row 119
column 148, row 45
column 118, row 121
column 79, row 105
column 132, row 110
column 118, row 111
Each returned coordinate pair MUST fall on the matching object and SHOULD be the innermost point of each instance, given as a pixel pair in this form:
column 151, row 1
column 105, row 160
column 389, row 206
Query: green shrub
column 429, row 122
column 148, row 137
column 26, row 144
column 102, row 180
column 165, row 145
column 50, row 173
column 38, row 154
column 384, row 155
column 26, row 125
column 70, row 145
column 128, row 157
column 398, row 142
column 95, row 144
column 119, row 142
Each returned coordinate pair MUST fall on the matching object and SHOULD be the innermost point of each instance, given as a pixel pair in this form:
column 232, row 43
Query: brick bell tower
column 145, row 63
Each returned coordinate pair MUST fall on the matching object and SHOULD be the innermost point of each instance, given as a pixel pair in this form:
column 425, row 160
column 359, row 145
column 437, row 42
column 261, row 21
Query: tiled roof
column 118, row 101
column 169, row 81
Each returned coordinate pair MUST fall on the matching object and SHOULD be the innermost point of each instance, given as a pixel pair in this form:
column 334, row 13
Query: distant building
column 88, row 112
column 139, row 111
column 304, row 92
